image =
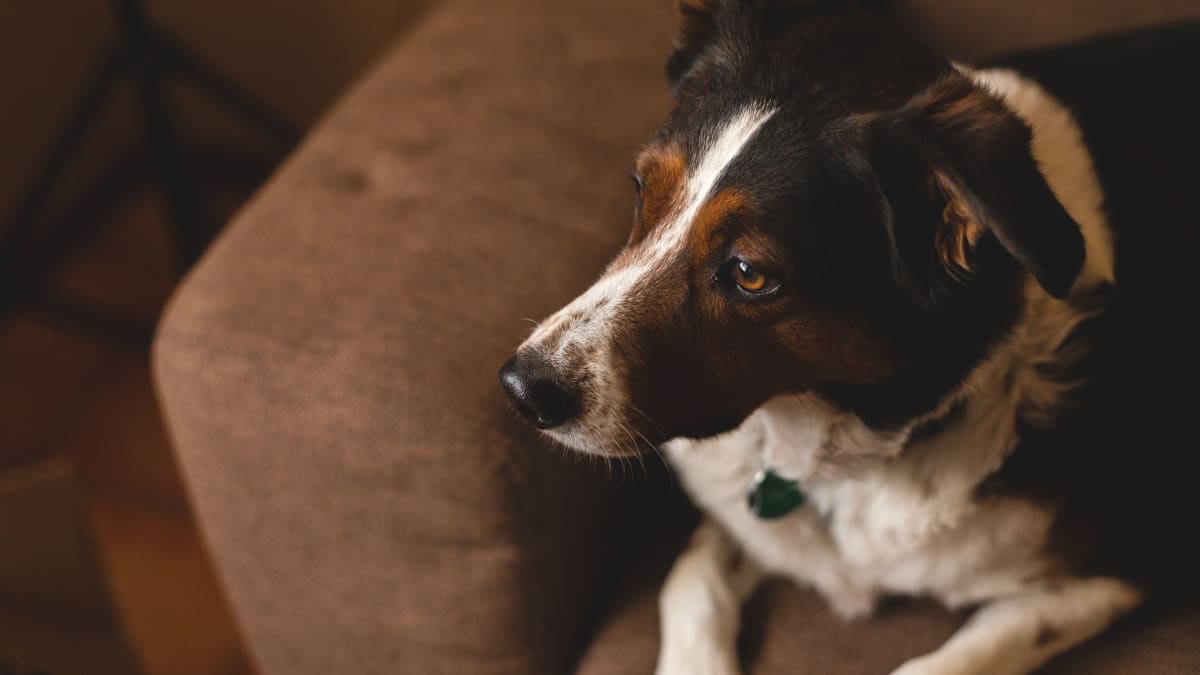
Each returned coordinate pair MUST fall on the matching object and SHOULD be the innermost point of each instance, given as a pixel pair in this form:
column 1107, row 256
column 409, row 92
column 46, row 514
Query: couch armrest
column 328, row 371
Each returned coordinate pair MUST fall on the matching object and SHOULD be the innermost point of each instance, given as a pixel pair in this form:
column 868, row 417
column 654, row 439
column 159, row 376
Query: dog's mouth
column 607, row 428
column 616, row 444
column 624, row 430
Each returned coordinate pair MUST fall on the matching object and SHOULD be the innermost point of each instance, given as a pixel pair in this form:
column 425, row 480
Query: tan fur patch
column 662, row 169
column 958, row 232
column 706, row 228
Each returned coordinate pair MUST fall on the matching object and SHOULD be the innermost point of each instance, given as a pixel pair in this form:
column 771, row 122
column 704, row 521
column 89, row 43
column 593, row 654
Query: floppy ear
column 697, row 28
column 956, row 168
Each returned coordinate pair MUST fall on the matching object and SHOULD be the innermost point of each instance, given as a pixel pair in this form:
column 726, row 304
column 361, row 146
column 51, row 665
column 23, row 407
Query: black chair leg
column 28, row 211
column 150, row 59
column 188, row 212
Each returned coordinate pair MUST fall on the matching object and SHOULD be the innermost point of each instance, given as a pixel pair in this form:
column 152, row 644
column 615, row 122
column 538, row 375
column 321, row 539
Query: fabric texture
column 328, row 375
column 329, row 371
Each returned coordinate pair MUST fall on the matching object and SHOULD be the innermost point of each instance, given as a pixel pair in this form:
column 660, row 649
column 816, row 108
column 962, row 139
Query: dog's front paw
column 699, row 661
column 930, row 664
column 852, row 604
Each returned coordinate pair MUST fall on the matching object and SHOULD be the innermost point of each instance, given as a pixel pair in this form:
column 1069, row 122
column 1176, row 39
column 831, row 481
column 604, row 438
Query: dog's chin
column 616, row 439
column 612, row 440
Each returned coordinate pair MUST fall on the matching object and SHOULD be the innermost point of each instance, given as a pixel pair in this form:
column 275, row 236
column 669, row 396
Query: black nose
column 536, row 392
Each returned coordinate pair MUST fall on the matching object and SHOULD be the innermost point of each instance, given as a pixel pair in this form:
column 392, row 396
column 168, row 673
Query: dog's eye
column 751, row 280
column 638, row 183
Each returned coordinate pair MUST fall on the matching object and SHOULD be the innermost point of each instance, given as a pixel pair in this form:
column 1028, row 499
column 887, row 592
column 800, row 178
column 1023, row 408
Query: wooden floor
column 67, row 394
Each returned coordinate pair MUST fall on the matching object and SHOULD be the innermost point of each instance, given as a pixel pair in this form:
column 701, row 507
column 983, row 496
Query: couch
column 328, row 370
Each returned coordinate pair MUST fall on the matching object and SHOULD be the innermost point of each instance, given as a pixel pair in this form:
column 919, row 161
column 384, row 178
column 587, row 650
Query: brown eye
column 750, row 279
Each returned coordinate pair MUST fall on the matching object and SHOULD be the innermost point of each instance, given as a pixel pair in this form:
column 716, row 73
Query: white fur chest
column 910, row 525
column 895, row 535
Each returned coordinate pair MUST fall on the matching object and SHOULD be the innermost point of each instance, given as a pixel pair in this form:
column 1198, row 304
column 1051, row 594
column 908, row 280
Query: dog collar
column 772, row 496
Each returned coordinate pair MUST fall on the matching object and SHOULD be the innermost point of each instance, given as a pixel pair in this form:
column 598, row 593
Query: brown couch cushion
column 328, row 372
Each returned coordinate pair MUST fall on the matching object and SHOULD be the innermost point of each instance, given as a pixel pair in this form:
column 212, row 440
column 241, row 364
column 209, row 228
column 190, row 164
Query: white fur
column 723, row 148
column 880, row 521
column 698, row 620
column 1019, row 633
column 589, row 320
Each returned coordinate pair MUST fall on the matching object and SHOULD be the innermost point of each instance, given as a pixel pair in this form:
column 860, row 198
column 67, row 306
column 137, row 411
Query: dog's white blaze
column 724, row 146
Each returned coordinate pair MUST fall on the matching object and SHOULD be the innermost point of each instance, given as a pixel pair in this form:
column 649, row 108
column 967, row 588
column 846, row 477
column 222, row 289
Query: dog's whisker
column 658, row 451
column 647, row 418
column 632, row 449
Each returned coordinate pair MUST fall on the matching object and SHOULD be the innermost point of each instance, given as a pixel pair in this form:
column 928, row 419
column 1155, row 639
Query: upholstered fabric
column 328, row 374
column 329, row 370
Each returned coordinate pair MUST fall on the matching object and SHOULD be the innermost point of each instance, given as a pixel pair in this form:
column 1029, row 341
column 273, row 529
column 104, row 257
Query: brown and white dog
column 889, row 279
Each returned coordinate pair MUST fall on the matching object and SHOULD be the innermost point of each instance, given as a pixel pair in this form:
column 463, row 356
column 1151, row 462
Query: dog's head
column 830, row 208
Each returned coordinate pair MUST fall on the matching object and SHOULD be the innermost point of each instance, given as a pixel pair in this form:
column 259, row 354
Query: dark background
column 97, row 542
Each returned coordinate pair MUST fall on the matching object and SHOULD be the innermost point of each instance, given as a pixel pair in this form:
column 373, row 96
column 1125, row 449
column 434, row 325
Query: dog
column 888, row 284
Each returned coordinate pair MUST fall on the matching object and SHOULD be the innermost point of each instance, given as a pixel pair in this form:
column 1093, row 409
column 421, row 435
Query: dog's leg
column 700, row 605
column 1015, row 635
column 799, row 548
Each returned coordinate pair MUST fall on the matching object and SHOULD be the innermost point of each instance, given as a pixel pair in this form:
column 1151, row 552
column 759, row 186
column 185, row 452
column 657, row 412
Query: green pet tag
column 772, row 496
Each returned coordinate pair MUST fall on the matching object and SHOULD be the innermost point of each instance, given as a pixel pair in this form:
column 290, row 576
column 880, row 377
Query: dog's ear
column 697, row 28
column 956, row 169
